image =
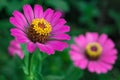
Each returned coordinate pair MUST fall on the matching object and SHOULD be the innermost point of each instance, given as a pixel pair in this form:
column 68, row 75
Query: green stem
column 40, row 58
column 33, row 65
column 30, row 74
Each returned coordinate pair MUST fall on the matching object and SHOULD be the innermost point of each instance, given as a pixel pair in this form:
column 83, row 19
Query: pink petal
column 75, row 56
column 60, row 37
column 16, row 24
column 55, row 17
column 31, row 47
column 109, row 56
column 63, row 29
column 14, row 51
column 19, row 35
column 91, row 66
column 15, row 43
column 98, row 68
column 91, row 37
column 15, row 48
column 83, row 63
column 22, row 39
column 58, row 45
column 111, row 52
column 102, row 39
column 60, row 23
column 45, row 48
column 110, row 43
column 38, row 11
column 48, row 14
column 20, row 18
column 106, row 66
column 109, row 60
column 80, row 41
column 28, row 12
column 15, row 31
column 74, row 47
column 20, row 54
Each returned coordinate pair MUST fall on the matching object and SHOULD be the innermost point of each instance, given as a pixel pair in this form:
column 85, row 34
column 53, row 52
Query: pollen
column 93, row 50
column 41, row 26
column 39, row 30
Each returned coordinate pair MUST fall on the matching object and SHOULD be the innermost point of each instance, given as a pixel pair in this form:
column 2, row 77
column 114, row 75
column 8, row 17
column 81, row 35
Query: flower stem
column 33, row 65
column 29, row 76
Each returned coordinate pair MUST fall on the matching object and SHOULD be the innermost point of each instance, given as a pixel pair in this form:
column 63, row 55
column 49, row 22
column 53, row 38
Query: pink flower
column 15, row 48
column 97, row 53
column 45, row 30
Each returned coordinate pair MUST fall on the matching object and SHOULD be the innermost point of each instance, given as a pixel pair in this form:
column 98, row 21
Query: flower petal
column 109, row 59
column 74, row 47
column 38, row 11
column 59, row 24
column 20, row 18
column 110, row 43
column 63, row 29
column 28, row 12
column 48, row 14
column 19, row 35
column 102, row 39
column 98, row 68
column 16, row 24
column 76, row 56
column 106, row 66
column 55, row 17
column 111, row 52
column 60, row 37
column 91, row 66
column 80, row 41
column 31, row 47
column 15, row 31
column 82, row 63
column 15, row 48
column 91, row 37
column 45, row 48
column 58, row 45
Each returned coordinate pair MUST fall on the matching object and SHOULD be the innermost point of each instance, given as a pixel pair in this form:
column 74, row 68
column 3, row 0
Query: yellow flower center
column 39, row 30
column 93, row 50
column 41, row 26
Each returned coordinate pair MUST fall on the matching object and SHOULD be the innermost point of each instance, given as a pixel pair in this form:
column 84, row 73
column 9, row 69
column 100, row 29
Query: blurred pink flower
column 43, row 29
column 15, row 48
column 97, row 53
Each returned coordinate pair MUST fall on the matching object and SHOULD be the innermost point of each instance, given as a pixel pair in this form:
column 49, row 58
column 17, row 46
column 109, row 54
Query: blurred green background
column 102, row 16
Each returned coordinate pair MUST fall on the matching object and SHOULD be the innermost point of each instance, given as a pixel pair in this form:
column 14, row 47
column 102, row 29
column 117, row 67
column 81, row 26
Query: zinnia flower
column 15, row 48
column 97, row 53
column 38, row 28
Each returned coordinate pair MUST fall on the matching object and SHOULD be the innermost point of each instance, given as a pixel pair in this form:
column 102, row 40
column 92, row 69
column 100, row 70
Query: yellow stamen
column 41, row 26
column 93, row 53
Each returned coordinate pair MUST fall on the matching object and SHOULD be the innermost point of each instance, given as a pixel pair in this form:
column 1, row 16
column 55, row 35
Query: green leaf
column 36, row 61
column 36, row 64
column 25, row 59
